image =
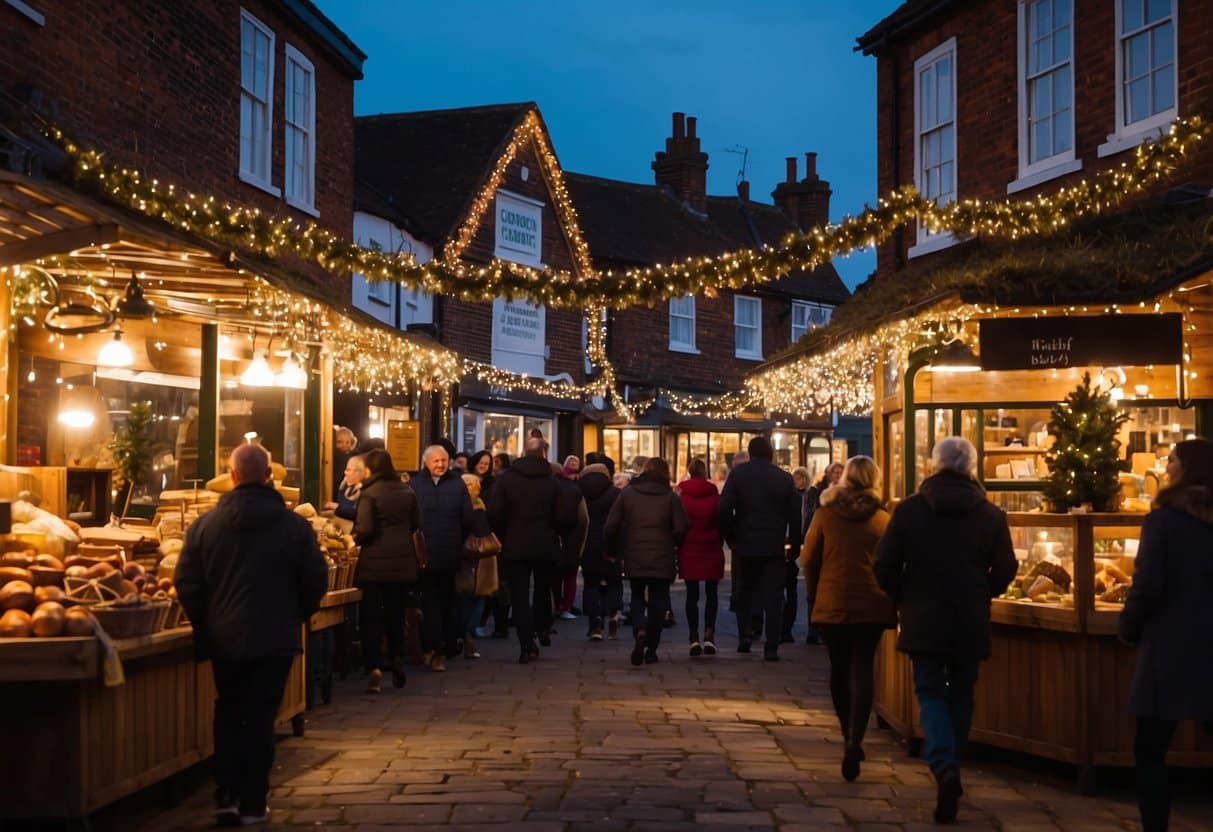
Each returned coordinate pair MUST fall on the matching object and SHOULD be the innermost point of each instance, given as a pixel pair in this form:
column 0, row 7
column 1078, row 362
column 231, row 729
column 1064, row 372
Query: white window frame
column 1126, row 136
column 808, row 306
column 379, row 291
column 738, row 302
column 1032, row 173
column 928, row 242
column 305, row 202
column 248, row 174
column 682, row 346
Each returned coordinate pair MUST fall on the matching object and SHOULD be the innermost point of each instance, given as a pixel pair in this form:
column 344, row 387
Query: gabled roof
column 628, row 224
column 332, row 39
column 430, row 165
column 903, row 18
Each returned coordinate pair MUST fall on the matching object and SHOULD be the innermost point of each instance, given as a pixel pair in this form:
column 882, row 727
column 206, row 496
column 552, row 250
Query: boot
column 696, row 647
column 851, row 759
column 709, row 642
column 374, row 682
column 412, row 636
column 469, row 648
column 947, row 795
column 638, row 649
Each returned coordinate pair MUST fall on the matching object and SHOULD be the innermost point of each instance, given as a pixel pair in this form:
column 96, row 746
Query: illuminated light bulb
column 258, row 373
column 115, row 353
column 291, row 375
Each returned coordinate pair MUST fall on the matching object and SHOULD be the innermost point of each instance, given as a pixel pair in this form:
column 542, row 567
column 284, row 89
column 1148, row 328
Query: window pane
column 1062, row 89
column 246, row 54
column 1061, row 13
column 1062, row 129
column 1040, row 19
column 1130, row 18
column 945, row 181
column 947, row 151
column 1137, row 56
column 1163, row 44
column 926, row 86
column 1044, row 52
column 1137, row 105
column 1042, row 98
column 944, row 74
column 1163, row 88
column 1061, row 45
column 1041, row 148
column 1157, row 10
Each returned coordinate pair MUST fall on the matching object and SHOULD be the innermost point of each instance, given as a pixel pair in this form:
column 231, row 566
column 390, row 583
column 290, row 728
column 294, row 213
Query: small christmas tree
column 1084, row 462
column 132, row 448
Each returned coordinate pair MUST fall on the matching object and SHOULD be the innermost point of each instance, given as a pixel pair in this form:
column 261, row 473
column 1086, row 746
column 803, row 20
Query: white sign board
column 519, row 224
column 519, row 342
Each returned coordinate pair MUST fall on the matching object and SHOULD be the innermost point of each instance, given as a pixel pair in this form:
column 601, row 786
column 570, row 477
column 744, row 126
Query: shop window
column 625, row 444
column 806, row 316
column 817, row 458
column 787, row 449
column 935, row 131
column 300, row 117
column 507, row 433
column 256, row 101
column 682, row 324
column 747, row 327
column 1046, row 84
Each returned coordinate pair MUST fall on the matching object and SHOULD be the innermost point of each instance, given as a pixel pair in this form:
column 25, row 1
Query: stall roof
column 1116, row 259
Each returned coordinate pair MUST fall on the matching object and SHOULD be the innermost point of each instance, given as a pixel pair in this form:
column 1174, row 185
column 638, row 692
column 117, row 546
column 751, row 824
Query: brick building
column 704, row 345
column 427, row 182
column 250, row 103
column 987, row 99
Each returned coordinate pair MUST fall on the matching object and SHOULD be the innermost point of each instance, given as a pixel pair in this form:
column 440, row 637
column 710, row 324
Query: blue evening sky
column 778, row 77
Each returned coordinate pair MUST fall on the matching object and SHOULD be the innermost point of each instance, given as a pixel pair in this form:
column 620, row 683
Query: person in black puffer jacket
column 603, row 591
column 249, row 576
column 945, row 554
column 649, row 516
column 446, row 518
column 388, row 567
column 531, row 514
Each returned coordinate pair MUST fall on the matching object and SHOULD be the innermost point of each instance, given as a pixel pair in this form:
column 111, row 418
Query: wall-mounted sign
column 1081, row 341
column 519, row 225
column 403, row 444
column 519, row 336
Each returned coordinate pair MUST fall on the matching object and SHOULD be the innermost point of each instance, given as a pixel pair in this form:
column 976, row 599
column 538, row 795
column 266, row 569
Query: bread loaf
column 15, row 624
column 17, row 595
column 48, row 620
column 49, row 593
column 15, row 573
column 78, row 621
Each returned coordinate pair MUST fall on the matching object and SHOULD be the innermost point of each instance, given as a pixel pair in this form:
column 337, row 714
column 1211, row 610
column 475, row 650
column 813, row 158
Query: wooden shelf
column 1014, row 449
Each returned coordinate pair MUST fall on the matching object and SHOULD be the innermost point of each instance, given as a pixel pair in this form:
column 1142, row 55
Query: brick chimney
column 682, row 167
column 743, row 190
column 807, row 202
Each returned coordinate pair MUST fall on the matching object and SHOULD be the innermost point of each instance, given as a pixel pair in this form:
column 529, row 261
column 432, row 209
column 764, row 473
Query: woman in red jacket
column 701, row 557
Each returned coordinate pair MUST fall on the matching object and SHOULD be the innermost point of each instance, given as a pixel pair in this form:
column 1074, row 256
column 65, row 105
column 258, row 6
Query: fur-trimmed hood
column 1196, row 500
column 851, row 504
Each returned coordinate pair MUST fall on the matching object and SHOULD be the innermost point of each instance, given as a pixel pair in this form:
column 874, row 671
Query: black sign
column 1081, row 341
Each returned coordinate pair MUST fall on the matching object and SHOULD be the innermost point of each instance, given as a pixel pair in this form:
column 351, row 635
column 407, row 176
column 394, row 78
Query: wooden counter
column 74, row 745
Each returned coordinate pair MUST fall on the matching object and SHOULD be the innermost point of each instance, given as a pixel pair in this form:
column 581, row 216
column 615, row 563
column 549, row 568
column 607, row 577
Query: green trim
column 208, row 404
column 1204, row 417
column 916, row 362
column 310, row 491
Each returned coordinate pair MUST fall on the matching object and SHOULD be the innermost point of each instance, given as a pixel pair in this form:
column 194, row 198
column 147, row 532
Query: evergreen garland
column 1084, row 462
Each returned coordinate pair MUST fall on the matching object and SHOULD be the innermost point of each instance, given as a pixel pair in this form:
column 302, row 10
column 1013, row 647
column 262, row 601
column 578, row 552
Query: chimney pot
column 810, row 166
column 791, row 160
column 678, row 125
column 743, row 190
column 691, row 120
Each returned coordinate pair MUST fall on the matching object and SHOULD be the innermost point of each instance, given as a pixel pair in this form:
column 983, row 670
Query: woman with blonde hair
column 849, row 609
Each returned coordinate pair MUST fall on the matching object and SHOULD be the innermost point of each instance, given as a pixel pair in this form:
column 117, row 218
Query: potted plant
column 132, row 449
column 1084, row 462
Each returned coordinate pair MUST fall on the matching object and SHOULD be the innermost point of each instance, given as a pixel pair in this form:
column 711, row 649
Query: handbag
column 478, row 547
column 423, row 552
column 487, row 580
column 465, row 579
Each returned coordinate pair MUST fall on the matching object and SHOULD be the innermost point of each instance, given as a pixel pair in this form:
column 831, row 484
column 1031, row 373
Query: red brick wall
column 157, row 86
column 640, row 340
column 467, row 327
column 987, row 154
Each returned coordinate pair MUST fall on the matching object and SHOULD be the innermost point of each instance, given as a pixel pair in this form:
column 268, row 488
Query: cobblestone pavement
column 581, row 740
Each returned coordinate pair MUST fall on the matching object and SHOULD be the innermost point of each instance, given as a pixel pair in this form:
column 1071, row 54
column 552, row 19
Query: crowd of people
column 480, row 536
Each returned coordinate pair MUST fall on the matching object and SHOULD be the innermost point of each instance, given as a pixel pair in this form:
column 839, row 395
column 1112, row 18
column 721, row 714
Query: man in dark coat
column 531, row 515
column 760, row 519
column 946, row 553
column 603, row 592
column 250, row 574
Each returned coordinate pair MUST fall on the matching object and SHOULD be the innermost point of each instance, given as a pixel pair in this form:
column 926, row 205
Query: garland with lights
column 271, row 236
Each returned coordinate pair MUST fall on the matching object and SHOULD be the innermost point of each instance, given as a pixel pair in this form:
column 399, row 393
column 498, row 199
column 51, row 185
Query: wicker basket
column 175, row 616
column 131, row 621
column 345, row 574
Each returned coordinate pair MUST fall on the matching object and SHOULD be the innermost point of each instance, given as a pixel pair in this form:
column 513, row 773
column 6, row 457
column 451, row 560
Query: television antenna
column 744, row 153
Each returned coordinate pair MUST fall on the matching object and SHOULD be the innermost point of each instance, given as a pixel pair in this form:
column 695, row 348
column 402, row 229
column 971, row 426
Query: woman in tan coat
column 850, row 610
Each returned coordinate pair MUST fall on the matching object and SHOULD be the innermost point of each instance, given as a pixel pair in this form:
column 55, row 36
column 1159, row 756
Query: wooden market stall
column 1057, row 683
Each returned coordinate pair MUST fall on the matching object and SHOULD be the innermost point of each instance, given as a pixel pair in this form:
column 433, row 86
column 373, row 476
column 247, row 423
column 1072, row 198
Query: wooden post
column 312, row 435
column 208, row 404
column 9, row 363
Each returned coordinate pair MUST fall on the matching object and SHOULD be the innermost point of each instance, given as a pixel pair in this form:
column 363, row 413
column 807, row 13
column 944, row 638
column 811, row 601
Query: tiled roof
column 430, row 165
column 905, row 16
column 627, row 224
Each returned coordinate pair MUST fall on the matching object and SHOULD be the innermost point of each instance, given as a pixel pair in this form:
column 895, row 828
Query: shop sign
column 519, row 342
column 1081, row 341
column 519, row 224
column 403, row 444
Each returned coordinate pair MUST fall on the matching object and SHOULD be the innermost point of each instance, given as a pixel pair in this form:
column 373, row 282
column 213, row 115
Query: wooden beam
column 61, row 242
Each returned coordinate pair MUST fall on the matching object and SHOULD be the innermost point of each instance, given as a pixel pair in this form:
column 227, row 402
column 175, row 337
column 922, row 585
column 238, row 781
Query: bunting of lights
column 272, row 236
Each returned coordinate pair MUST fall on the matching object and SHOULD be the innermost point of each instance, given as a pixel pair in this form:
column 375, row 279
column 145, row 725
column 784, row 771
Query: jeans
column 790, row 601
column 654, row 609
column 471, row 610
column 566, row 585
column 440, row 627
column 944, row 686
column 382, row 613
column 852, row 650
column 762, row 578
column 603, row 597
column 537, row 614
column 247, row 696
column 710, row 604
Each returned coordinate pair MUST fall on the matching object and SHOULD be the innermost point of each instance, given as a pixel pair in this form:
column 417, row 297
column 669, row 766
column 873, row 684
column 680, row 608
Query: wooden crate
column 47, row 481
